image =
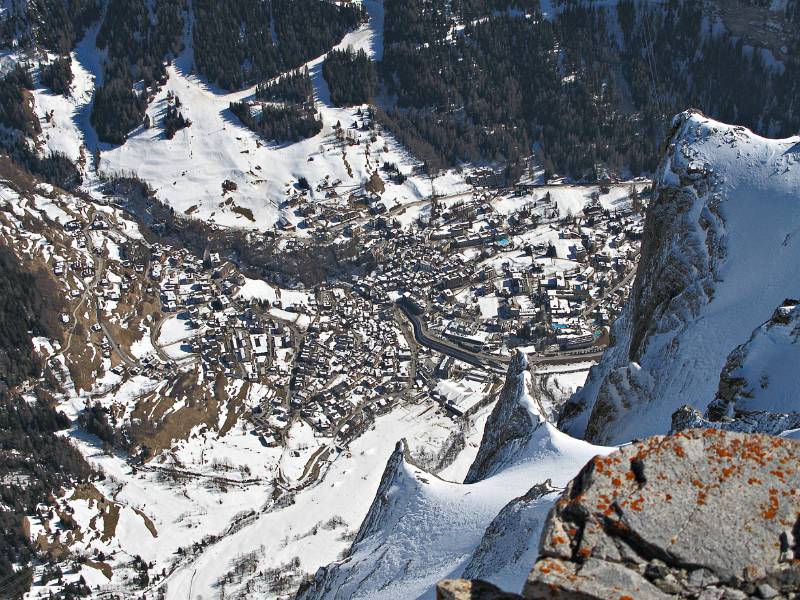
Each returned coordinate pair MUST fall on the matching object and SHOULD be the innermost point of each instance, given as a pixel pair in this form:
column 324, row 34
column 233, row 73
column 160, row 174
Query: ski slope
column 188, row 171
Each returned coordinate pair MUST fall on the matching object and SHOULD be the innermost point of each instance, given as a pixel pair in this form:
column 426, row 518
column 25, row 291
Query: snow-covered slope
column 421, row 529
column 762, row 374
column 720, row 253
column 758, row 388
column 188, row 170
column 510, row 544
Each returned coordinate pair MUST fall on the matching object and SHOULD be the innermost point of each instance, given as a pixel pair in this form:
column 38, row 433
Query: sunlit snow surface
column 187, row 171
column 422, row 529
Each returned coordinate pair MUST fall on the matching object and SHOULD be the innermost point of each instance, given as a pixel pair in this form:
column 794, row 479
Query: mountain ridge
column 421, row 529
column 718, row 249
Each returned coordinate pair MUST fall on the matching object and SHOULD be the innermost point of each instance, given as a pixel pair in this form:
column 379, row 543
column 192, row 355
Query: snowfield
column 314, row 525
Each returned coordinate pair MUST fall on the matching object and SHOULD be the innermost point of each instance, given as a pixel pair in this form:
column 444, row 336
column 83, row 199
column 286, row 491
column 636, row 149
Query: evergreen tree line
column 57, row 75
column 16, row 103
column 55, row 24
column 294, row 87
column 468, row 10
column 235, row 43
column 498, row 91
column 95, row 420
column 137, row 36
column 174, row 121
column 30, row 303
column 16, row 113
column 721, row 76
column 242, row 41
column 288, row 123
column 351, row 77
column 117, row 109
column 54, row 167
column 292, row 118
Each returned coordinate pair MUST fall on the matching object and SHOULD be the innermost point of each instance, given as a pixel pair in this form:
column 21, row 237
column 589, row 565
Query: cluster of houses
column 353, row 357
column 487, row 281
column 229, row 334
column 479, row 276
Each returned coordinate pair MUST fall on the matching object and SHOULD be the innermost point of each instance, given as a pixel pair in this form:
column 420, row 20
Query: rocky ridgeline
column 704, row 514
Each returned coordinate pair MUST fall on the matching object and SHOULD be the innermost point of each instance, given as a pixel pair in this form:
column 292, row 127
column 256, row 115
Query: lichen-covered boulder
column 703, row 513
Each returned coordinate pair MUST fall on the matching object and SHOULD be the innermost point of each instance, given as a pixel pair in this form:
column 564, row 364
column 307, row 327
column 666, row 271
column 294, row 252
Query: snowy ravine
column 421, row 529
column 720, row 254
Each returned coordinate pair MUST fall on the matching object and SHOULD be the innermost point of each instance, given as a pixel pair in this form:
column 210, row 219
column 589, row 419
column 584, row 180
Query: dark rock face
column 674, row 280
column 701, row 514
column 687, row 417
column 695, row 297
column 509, row 427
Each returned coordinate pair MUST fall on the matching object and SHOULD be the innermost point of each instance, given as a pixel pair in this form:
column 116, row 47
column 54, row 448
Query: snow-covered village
column 450, row 287
column 455, row 290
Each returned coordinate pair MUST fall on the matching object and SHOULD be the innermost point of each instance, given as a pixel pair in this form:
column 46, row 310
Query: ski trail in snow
column 88, row 76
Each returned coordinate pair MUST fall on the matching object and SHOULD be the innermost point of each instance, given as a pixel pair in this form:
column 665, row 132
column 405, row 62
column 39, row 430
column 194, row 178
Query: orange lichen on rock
column 772, row 510
column 723, row 452
column 711, row 472
column 547, row 566
column 778, row 473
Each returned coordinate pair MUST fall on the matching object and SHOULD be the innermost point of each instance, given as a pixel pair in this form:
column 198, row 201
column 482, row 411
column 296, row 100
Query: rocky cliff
column 720, row 245
column 514, row 420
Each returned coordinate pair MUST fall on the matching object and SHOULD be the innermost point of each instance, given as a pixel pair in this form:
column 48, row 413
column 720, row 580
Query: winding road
column 485, row 361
